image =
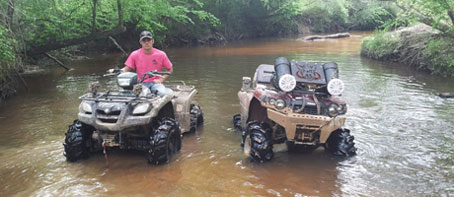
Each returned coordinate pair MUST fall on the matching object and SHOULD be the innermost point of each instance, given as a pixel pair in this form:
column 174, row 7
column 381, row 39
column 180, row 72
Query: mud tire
column 165, row 141
column 257, row 140
column 196, row 116
column 77, row 141
column 236, row 121
column 341, row 143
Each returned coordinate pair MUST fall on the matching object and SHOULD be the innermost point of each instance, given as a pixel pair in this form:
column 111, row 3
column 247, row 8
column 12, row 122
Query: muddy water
column 403, row 132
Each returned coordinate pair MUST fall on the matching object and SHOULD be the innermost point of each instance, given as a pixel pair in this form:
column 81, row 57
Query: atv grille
column 102, row 112
column 310, row 110
column 108, row 116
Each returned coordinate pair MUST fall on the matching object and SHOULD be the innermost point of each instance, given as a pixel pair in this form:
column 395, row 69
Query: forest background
column 31, row 30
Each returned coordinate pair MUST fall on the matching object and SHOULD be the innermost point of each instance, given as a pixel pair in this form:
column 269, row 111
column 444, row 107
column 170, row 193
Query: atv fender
column 181, row 105
column 245, row 101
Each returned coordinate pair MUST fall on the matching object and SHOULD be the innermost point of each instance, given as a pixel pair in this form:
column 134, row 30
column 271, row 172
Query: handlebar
column 115, row 71
column 109, row 74
column 153, row 74
column 146, row 75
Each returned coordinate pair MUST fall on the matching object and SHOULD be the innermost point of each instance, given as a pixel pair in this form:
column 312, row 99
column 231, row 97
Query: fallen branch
column 56, row 60
column 21, row 79
column 115, row 42
column 331, row 36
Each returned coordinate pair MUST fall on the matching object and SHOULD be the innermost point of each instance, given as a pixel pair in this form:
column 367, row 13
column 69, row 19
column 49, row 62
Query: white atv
column 133, row 117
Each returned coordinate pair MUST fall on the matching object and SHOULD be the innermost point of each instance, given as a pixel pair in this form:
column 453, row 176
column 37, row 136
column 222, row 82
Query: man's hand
column 117, row 70
column 114, row 70
column 158, row 80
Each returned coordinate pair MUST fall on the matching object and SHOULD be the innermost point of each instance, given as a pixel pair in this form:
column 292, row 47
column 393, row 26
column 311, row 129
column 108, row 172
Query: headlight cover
column 86, row 107
column 342, row 109
column 272, row 101
column 141, row 108
column 335, row 87
column 333, row 109
column 280, row 104
column 287, row 83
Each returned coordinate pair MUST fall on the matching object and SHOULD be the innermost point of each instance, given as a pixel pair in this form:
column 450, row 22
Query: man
column 148, row 59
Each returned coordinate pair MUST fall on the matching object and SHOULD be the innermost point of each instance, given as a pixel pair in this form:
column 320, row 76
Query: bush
column 381, row 46
column 330, row 16
column 8, row 63
column 7, row 53
column 440, row 53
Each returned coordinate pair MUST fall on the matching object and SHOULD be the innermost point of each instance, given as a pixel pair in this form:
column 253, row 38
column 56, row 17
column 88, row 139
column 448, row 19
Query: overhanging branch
column 36, row 50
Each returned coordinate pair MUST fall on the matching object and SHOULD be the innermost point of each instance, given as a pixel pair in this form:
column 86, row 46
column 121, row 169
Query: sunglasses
column 146, row 40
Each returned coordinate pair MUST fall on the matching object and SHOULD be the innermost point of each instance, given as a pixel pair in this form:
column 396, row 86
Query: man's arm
column 164, row 77
column 124, row 69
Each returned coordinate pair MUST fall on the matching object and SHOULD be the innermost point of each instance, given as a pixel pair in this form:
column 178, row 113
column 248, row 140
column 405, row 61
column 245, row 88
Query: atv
column 296, row 103
column 133, row 117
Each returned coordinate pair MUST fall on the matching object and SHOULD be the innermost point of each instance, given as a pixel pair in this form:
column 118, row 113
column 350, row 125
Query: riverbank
column 419, row 46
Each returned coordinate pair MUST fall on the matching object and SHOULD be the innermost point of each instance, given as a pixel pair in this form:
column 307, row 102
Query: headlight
column 272, row 101
column 333, row 109
column 287, row 83
column 280, row 104
column 335, row 87
column 342, row 109
column 122, row 82
column 86, row 107
column 141, row 108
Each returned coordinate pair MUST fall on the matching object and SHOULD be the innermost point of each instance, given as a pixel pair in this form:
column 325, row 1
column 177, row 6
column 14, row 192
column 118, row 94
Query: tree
column 437, row 13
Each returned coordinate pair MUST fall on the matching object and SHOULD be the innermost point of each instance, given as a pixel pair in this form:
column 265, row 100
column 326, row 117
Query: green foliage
column 431, row 12
column 380, row 46
column 394, row 23
column 440, row 52
column 7, row 53
column 254, row 18
column 6, row 46
column 44, row 22
column 369, row 14
column 163, row 16
column 323, row 16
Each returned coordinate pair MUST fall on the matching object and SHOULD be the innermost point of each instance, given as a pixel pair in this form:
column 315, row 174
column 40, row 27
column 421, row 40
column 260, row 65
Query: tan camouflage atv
column 296, row 103
column 133, row 117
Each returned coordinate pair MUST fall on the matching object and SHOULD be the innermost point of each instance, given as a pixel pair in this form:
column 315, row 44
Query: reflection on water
column 403, row 132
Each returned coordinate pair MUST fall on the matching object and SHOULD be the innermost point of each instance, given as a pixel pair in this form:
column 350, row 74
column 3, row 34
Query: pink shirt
column 142, row 63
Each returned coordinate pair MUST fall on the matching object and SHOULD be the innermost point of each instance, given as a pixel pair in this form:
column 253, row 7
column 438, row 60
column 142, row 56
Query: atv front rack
column 114, row 98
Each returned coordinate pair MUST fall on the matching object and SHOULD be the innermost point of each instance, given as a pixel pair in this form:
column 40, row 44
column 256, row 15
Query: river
column 403, row 132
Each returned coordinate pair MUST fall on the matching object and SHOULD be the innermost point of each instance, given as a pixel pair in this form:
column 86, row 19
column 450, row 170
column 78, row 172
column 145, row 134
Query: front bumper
column 123, row 123
column 293, row 121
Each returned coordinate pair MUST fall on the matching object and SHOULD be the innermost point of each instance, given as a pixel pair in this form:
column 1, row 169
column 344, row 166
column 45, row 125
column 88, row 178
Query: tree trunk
column 451, row 15
column 93, row 23
column 120, row 14
column 10, row 15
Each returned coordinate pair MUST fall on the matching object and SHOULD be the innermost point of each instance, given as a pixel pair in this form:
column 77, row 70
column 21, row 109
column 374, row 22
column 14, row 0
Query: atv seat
column 264, row 73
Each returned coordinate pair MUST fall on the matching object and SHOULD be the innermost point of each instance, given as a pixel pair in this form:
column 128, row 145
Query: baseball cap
column 145, row 34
